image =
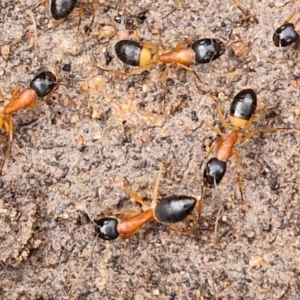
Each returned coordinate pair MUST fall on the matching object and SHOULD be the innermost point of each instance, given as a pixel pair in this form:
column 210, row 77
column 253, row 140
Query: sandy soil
column 99, row 130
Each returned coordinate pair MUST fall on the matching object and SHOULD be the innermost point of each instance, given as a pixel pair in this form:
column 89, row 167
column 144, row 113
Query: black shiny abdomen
column 128, row 52
column 285, row 35
column 244, row 104
column 174, row 209
column 62, row 8
column 107, row 228
column 43, row 83
column 207, row 50
column 214, row 171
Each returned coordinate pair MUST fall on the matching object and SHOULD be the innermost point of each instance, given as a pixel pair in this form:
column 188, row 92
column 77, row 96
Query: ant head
column 285, row 35
column 214, row 171
column 43, row 83
column 107, row 228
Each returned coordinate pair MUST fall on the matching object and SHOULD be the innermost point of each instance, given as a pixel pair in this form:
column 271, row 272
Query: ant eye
column 107, row 228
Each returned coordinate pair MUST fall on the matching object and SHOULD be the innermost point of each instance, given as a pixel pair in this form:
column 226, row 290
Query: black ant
column 242, row 111
column 42, row 85
column 168, row 210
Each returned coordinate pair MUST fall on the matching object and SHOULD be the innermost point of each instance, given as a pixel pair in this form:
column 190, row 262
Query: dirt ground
column 99, row 130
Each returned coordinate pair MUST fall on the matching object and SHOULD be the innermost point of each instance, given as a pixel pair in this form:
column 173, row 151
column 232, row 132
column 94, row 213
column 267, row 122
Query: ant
column 242, row 112
column 168, row 210
column 42, row 85
column 146, row 56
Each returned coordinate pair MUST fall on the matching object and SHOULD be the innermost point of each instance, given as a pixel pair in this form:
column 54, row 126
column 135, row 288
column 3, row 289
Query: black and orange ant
column 168, row 210
column 242, row 112
column 146, row 56
column 42, row 85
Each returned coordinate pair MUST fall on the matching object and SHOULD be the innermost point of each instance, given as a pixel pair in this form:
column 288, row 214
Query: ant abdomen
column 174, row 209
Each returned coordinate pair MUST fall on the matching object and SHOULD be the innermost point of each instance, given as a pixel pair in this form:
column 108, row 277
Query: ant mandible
column 242, row 111
column 146, row 56
column 42, row 85
column 168, row 210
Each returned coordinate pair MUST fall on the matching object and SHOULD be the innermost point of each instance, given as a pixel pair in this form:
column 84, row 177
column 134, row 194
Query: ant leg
column 291, row 16
column 11, row 128
column 121, row 212
column 92, row 8
column 249, row 124
column 199, row 208
column 15, row 91
column 136, row 36
column 253, row 133
column 8, row 125
column 6, row 155
column 209, row 150
column 215, row 129
column 257, row 112
column 178, row 6
column 239, row 169
column 80, row 17
column 111, row 71
column 220, row 113
column 187, row 231
column 137, row 71
column 156, row 186
column 181, row 43
column 188, row 69
column 163, row 81
column 39, row 4
column 135, row 196
column 238, row 6
column 1, row 95
column 217, row 222
column 140, row 70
